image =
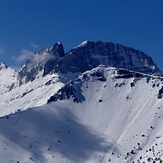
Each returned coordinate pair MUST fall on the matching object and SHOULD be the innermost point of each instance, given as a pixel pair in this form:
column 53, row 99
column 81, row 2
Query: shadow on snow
column 55, row 131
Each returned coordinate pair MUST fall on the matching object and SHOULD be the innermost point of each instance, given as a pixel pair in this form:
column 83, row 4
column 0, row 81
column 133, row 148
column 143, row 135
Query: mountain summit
column 90, row 54
column 86, row 56
column 42, row 63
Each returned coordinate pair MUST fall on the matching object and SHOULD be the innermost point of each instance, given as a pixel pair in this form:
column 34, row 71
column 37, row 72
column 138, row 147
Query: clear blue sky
column 28, row 25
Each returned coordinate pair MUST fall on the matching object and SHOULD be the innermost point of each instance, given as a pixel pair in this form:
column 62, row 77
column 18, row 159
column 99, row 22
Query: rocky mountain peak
column 58, row 49
column 87, row 55
column 42, row 63
column 90, row 54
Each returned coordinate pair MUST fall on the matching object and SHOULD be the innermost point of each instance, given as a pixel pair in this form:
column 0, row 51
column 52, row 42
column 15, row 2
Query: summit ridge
column 87, row 55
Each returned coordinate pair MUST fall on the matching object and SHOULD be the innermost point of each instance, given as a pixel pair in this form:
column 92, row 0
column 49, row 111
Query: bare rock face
column 91, row 54
column 42, row 63
column 84, row 57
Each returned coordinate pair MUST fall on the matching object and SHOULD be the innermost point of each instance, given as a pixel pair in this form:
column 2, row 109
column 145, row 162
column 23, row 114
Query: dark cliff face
column 84, row 57
column 91, row 54
column 43, row 62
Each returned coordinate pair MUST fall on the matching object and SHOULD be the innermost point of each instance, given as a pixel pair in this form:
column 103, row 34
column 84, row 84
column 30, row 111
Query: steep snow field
column 14, row 97
column 104, row 115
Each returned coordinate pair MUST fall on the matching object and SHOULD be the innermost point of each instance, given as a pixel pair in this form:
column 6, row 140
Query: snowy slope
column 14, row 97
column 104, row 115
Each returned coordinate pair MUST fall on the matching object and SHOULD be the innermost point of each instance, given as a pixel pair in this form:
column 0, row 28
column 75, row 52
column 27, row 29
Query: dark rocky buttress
column 91, row 54
column 84, row 57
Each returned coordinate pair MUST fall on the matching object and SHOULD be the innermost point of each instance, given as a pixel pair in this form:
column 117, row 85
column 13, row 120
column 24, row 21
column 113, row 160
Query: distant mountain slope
column 104, row 115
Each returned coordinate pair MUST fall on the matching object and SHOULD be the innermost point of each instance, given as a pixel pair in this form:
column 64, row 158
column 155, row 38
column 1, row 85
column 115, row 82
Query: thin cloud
column 35, row 59
column 24, row 55
column 34, row 46
column 40, row 59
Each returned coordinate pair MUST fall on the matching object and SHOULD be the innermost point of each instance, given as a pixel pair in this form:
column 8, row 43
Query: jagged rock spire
column 43, row 62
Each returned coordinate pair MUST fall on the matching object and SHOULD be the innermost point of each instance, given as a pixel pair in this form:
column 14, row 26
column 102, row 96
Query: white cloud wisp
column 24, row 55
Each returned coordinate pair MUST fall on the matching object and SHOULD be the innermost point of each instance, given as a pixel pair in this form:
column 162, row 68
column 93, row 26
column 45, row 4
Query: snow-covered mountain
column 99, row 102
column 50, row 68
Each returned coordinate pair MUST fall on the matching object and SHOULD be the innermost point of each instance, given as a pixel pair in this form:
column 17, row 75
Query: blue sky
column 28, row 25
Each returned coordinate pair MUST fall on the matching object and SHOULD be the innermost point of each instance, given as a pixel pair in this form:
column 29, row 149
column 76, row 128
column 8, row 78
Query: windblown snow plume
column 24, row 55
column 40, row 59
column 41, row 63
